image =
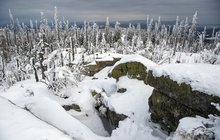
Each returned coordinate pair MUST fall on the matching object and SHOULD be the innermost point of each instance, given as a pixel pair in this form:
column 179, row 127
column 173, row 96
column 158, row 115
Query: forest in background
column 37, row 49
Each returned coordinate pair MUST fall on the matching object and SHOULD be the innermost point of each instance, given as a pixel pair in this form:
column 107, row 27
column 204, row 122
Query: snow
column 88, row 114
column 29, row 110
column 202, row 77
column 134, row 102
column 19, row 93
column 216, row 105
column 55, row 115
column 87, row 124
column 46, row 107
column 102, row 57
column 135, row 58
column 190, row 127
column 101, row 84
column 18, row 124
column 187, row 58
column 91, row 120
column 128, row 130
column 103, row 73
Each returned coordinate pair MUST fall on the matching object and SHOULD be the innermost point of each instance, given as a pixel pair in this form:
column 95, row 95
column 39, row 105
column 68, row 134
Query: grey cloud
column 116, row 9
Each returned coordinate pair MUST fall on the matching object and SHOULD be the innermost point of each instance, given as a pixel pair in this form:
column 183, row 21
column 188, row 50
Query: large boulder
column 134, row 70
column 133, row 66
column 172, row 100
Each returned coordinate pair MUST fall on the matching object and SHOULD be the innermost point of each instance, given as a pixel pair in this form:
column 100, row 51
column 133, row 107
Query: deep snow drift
column 18, row 124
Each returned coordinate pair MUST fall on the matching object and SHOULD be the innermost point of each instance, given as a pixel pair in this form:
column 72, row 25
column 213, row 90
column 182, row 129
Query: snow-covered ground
column 46, row 107
column 18, row 124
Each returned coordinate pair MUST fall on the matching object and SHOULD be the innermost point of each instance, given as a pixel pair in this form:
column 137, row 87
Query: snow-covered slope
column 56, row 116
column 87, row 124
column 18, row 124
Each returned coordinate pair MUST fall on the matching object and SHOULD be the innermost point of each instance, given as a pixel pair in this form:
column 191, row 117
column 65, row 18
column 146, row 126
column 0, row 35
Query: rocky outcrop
column 171, row 101
column 133, row 66
column 122, row 90
column 114, row 117
column 92, row 69
column 72, row 106
column 109, row 117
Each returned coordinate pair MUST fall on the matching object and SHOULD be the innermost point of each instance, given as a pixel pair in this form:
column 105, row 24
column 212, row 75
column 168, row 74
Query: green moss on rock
column 184, row 94
column 94, row 93
column 133, row 70
column 72, row 106
column 171, row 101
column 114, row 117
column 122, row 90
column 167, row 111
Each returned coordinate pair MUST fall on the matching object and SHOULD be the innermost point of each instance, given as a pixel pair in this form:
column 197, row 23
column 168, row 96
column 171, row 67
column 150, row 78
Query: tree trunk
column 3, row 68
column 41, row 65
column 73, row 52
column 61, row 55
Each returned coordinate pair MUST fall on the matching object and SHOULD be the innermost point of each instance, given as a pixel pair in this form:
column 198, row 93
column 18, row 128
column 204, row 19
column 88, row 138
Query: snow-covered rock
column 135, row 58
column 134, row 66
column 201, row 77
column 183, row 90
column 198, row 128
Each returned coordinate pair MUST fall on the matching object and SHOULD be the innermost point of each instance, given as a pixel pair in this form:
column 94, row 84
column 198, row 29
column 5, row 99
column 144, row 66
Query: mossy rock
column 134, row 70
column 94, row 93
column 167, row 111
column 184, row 94
column 114, row 117
column 122, row 90
column 72, row 106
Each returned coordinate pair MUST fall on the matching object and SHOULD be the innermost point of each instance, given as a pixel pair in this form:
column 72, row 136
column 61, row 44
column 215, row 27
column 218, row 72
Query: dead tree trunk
column 35, row 71
column 73, row 47
column 41, row 65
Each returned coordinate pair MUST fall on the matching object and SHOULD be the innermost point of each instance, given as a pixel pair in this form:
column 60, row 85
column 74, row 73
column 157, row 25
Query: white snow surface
column 55, row 115
column 202, row 77
column 134, row 102
column 86, row 125
column 18, row 124
column 19, row 94
column 102, row 57
column 194, row 126
column 135, row 58
column 187, row 58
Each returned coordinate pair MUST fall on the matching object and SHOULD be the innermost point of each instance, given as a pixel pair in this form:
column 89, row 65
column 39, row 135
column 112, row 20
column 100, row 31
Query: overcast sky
column 122, row 10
